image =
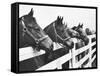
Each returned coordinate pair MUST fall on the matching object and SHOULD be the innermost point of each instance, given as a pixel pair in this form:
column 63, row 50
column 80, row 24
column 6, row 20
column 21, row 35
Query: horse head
column 82, row 33
column 63, row 34
column 32, row 33
column 88, row 31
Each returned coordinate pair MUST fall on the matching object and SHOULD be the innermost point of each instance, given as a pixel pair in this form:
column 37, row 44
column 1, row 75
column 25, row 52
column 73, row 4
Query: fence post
column 59, row 66
column 73, row 58
column 70, row 61
column 72, row 51
column 90, row 48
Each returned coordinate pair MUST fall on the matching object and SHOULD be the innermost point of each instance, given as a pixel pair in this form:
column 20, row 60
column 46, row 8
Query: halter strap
column 29, row 33
column 58, row 35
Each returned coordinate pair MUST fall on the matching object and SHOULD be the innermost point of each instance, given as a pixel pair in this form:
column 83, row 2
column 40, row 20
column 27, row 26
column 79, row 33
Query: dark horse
column 89, row 32
column 82, row 40
column 60, row 33
column 82, row 33
column 31, row 34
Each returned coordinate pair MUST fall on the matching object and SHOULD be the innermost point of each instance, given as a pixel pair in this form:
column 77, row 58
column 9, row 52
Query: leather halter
column 25, row 30
column 59, row 35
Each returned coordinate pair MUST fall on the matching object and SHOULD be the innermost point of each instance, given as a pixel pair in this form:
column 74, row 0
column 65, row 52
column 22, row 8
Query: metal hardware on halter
column 25, row 30
column 60, row 36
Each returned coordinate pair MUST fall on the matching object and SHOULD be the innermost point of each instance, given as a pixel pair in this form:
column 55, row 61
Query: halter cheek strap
column 60, row 36
column 25, row 30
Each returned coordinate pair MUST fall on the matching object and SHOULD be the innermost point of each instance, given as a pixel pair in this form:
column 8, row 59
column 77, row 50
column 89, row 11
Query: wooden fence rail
column 72, row 56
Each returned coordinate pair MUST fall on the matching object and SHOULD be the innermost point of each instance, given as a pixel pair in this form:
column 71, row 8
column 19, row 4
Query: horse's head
column 63, row 34
column 82, row 33
column 88, row 31
column 32, row 30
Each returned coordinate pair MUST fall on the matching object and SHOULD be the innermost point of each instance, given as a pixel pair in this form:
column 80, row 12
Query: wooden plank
column 29, row 52
column 78, row 51
column 53, row 65
column 81, row 61
column 92, row 36
column 90, row 61
column 93, row 51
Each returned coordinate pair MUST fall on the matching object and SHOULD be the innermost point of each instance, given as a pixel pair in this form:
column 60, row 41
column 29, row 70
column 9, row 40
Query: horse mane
column 74, row 27
column 48, row 26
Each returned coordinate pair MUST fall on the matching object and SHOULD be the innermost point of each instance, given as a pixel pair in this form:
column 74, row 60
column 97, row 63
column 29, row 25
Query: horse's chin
column 70, row 46
column 46, row 49
column 86, row 41
column 48, row 53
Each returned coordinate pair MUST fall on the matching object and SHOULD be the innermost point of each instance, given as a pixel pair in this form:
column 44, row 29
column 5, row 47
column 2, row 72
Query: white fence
column 29, row 52
column 72, row 56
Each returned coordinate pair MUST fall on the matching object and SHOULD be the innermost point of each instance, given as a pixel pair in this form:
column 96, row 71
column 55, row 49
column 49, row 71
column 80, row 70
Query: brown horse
column 31, row 34
column 82, row 40
column 59, row 33
column 82, row 33
column 89, row 32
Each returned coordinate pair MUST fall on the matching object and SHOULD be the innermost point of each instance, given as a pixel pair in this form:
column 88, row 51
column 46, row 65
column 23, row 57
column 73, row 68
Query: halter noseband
column 25, row 30
column 58, row 35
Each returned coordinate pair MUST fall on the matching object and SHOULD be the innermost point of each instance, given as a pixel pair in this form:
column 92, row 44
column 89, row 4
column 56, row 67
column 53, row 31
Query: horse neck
column 51, row 31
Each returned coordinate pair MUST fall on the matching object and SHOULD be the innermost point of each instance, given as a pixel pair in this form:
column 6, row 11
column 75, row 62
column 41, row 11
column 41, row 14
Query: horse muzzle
column 69, row 44
column 46, row 44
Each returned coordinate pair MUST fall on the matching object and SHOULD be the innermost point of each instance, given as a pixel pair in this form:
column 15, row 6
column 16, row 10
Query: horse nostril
column 72, row 45
column 51, row 47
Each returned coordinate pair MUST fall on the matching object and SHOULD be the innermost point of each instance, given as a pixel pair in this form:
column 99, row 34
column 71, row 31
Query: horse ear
column 58, row 18
column 65, row 25
column 62, row 19
column 31, row 12
column 79, row 25
column 82, row 25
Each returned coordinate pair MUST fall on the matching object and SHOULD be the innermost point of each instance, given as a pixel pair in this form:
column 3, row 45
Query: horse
column 82, row 33
column 60, row 33
column 92, row 32
column 83, row 40
column 31, row 34
column 89, row 32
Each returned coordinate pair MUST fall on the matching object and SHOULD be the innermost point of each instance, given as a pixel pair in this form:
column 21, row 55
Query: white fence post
column 73, row 58
column 59, row 66
column 90, row 49
column 73, row 55
column 70, row 61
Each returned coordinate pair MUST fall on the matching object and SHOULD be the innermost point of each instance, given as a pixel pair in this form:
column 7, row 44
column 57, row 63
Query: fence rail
column 72, row 56
column 29, row 52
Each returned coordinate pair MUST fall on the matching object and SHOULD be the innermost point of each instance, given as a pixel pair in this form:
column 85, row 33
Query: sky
column 71, row 16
